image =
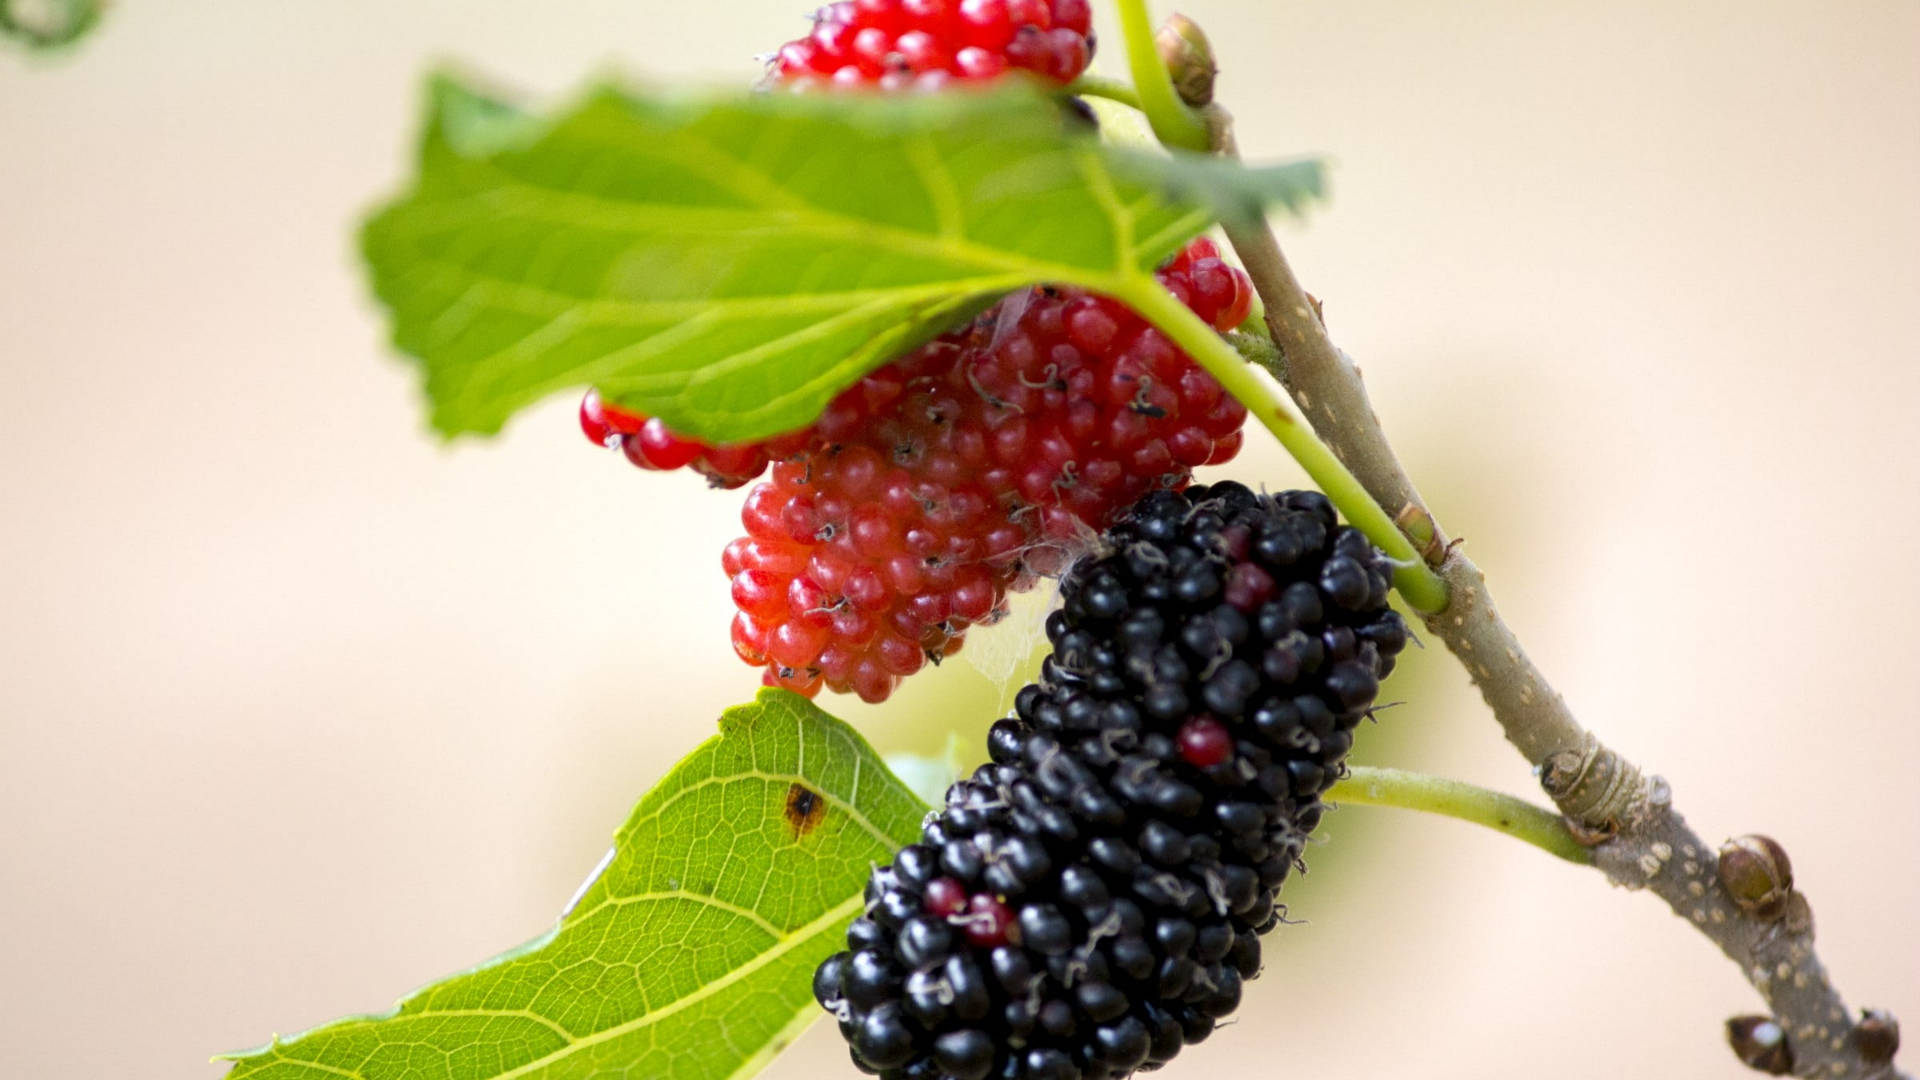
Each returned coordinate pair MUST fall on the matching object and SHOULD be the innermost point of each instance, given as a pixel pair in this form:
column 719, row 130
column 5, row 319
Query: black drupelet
column 1092, row 900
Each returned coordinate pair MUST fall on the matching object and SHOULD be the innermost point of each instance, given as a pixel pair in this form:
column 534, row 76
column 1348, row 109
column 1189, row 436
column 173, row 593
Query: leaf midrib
column 783, row 946
column 811, row 218
column 641, row 312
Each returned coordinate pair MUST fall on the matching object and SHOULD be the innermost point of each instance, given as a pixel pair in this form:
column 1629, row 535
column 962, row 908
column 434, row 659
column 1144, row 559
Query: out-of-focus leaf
column 729, row 264
column 48, row 24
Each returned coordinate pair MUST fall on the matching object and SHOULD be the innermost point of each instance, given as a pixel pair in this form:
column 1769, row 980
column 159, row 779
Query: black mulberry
column 1091, row 900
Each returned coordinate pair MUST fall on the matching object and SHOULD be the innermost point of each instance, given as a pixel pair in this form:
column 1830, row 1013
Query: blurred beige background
column 299, row 709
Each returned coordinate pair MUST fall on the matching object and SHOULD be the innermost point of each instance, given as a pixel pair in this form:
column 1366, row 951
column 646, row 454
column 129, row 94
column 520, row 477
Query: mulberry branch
column 1639, row 840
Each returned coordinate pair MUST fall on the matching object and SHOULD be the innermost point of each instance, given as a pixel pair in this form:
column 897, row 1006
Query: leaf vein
column 783, row 946
column 938, row 181
column 617, row 901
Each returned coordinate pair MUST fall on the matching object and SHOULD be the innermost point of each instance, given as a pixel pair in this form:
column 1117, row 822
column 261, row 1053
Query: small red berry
column 1248, row 587
column 872, row 682
column 796, row 643
column 734, row 558
column 1200, row 248
column 1076, row 15
column 988, row 920
column 802, row 681
column 760, row 594
column 924, row 44
column 986, row 24
column 732, row 466
column 945, row 896
column 1225, row 447
column 1205, row 742
column 749, row 639
column 661, row 448
column 593, row 420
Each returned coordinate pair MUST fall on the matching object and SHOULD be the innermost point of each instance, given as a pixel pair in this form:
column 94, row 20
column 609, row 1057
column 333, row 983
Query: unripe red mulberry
column 949, row 478
column 936, row 485
column 926, row 44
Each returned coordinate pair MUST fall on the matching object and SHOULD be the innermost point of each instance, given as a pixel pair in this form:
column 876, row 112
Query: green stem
column 1173, row 121
column 1422, row 588
column 1111, row 89
column 1517, row 818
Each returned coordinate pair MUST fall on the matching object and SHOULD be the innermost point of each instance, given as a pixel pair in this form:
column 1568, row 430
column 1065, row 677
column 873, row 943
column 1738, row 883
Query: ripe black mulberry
column 1092, row 899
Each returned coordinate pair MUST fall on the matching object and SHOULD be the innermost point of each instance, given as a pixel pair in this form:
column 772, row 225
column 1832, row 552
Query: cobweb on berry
column 1008, row 651
column 1009, row 312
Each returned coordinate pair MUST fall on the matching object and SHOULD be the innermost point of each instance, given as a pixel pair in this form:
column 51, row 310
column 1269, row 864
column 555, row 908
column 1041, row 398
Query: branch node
column 1761, row 1043
column 1189, row 59
column 1417, row 522
column 1756, row 872
column 1799, row 916
column 1625, row 816
column 1600, row 790
column 1590, row 836
column 1877, row 1036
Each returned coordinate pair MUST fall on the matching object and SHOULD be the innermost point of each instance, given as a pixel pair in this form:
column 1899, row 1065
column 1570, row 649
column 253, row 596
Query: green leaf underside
column 730, row 264
column 691, row 955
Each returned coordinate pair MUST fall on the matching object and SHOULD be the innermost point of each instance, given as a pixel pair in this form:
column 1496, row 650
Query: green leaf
column 690, row 956
column 730, row 264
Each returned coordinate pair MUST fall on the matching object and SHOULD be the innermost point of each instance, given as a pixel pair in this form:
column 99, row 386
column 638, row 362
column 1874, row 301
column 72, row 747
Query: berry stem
column 1173, row 121
column 1422, row 588
column 1111, row 89
column 1522, row 820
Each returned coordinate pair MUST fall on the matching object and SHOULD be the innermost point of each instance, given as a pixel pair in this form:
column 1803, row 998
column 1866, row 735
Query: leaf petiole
column 1173, row 121
column 1111, row 89
column 1522, row 820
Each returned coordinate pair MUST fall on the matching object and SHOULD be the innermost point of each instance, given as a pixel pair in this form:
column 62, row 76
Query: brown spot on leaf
column 805, row 808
